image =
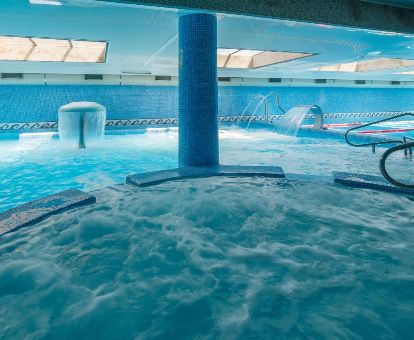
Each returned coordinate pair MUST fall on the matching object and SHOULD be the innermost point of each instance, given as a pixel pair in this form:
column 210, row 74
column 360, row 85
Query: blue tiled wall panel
column 31, row 103
column 331, row 99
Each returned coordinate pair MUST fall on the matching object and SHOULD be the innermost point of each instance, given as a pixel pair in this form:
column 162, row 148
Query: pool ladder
column 260, row 100
column 405, row 144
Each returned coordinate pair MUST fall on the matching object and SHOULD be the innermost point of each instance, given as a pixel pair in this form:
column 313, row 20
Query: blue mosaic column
column 198, row 125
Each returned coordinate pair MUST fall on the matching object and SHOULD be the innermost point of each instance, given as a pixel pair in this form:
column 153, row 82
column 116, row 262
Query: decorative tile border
column 37, row 211
column 157, row 177
column 368, row 181
column 364, row 114
column 28, row 126
column 141, row 122
column 174, row 121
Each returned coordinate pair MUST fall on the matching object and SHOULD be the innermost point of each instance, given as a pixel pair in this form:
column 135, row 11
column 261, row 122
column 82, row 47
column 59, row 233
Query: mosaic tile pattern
column 130, row 102
column 198, row 89
column 156, row 177
column 28, row 126
column 36, row 211
column 143, row 122
column 367, row 181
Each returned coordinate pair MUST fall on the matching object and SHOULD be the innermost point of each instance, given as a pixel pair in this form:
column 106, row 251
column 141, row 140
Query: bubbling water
column 216, row 258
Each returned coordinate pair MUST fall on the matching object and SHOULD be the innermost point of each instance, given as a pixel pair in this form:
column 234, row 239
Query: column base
column 157, row 177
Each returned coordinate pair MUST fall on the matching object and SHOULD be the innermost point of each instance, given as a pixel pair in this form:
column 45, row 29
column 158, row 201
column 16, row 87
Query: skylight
column 368, row 65
column 251, row 59
column 51, row 50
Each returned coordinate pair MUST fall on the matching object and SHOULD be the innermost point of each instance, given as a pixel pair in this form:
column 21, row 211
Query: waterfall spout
column 82, row 123
column 292, row 120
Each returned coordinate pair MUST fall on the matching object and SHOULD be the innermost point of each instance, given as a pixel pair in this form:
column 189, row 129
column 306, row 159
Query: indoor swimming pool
column 392, row 129
column 37, row 165
column 215, row 258
column 206, row 170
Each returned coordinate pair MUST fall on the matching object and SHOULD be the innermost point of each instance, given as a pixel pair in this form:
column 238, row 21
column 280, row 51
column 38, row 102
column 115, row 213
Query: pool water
column 390, row 129
column 36, row 165
column 216, row 258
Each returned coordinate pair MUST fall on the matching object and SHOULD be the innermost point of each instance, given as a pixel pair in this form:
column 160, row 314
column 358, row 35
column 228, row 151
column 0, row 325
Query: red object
column 386, row 131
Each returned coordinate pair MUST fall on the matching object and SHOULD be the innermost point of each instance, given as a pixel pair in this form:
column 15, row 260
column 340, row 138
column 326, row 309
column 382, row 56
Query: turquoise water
column 38, row 165
column 391, row 125
column 217, row 258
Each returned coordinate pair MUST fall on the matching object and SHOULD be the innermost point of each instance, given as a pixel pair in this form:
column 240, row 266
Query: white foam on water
column 215, row 258
column 35, row 167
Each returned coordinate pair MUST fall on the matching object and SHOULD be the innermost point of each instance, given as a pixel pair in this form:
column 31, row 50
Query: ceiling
column 144, row 40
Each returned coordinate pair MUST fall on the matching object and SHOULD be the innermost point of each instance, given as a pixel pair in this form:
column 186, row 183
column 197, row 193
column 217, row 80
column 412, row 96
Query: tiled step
column 36, row 211
column 367, row 181
column 156, row 177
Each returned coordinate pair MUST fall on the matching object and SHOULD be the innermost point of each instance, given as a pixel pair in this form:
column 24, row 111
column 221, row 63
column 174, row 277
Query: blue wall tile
column 198, row 142
column 30, row 103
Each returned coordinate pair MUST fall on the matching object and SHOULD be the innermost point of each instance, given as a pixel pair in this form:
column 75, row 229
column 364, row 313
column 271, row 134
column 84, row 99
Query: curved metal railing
column 402, row 145
column 374, row 144
column 388, row 153
column 277, row 99
column 410, row 150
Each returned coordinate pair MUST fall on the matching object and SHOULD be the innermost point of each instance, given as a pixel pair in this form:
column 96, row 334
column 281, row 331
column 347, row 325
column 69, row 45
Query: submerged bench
column 37, row 211
column 368, row 181
column 156, row 177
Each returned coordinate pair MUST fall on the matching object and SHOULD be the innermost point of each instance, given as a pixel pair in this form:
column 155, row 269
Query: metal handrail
column 277, row 98
column 374, row 144
column 410, row 150
column 383, row 159
column 266, row 105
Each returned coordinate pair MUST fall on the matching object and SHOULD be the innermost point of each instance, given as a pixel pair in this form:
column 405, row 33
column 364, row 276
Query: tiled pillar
column 198, row 126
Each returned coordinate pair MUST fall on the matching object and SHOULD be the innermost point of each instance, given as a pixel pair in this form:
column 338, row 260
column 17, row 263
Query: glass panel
column 369, row 65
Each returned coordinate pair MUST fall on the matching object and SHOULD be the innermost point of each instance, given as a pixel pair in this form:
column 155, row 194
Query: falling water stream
column 292, row 120
column 82, row 123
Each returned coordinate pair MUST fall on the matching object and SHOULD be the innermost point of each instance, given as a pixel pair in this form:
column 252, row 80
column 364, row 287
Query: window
column 368, row 65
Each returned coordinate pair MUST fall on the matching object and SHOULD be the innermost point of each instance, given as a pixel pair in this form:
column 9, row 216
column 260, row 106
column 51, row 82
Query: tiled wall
column 32, row 103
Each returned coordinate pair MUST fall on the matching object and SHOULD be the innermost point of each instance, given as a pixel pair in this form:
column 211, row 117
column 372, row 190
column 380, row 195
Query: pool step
column 368, row 181
column 37, row 211
column 156, row 177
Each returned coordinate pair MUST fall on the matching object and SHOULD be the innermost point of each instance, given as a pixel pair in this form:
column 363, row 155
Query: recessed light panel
column 251, row 59
column 51, row 50
column 46, row 2
column 368, row 65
